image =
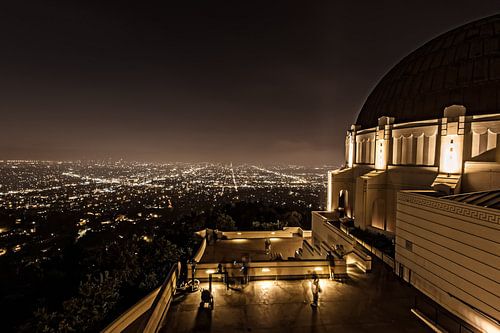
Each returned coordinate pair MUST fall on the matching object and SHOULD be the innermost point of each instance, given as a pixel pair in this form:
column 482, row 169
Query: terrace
column 364, row 303
column 277, row 295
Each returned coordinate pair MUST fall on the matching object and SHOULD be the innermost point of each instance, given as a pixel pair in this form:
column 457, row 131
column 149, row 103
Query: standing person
column 315, row 289
column 267, row 244
column 331, row 263
column 244, row 269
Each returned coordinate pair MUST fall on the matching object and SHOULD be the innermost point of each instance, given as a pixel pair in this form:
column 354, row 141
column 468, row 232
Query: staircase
column 447, row 183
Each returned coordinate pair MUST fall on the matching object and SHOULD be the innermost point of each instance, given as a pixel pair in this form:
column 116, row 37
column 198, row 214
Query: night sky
column 241, row 81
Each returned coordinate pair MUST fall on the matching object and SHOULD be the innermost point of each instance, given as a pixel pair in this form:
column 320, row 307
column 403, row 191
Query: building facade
column 422, row 167
column 431, row 123
column 452, row 154
column 448, row 248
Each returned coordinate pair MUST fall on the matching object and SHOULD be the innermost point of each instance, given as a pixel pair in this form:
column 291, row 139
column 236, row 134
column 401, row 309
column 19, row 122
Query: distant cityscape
column 99, row 196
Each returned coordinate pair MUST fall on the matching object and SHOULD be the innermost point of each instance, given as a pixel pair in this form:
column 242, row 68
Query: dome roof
column 461, row 66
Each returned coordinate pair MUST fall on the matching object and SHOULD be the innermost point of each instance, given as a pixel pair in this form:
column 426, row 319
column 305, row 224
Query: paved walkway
column 373, row 302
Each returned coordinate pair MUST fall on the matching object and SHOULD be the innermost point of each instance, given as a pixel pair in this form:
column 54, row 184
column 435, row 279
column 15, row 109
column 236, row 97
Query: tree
column 82, row 313
column 225, row 222
column 293, row 219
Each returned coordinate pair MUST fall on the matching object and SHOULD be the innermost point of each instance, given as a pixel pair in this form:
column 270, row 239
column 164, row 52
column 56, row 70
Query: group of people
column 230, row 277
column 211, row 235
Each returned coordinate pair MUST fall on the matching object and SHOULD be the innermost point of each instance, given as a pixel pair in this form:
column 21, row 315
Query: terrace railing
column 148, row 314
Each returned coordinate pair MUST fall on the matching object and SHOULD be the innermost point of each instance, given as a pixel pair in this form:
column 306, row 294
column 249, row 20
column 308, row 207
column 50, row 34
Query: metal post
column 193, row 269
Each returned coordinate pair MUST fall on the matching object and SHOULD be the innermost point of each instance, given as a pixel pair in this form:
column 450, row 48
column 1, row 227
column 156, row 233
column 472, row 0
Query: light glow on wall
column 451, row 154
column 381, row 156
column 350, row 154
column 239, row 240
column 329, row 201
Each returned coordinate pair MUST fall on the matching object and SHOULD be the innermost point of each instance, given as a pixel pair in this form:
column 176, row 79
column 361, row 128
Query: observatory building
column 422, row 167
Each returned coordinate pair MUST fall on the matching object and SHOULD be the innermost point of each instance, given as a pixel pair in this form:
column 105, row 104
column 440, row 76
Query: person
column 267, row 244
column 244, row 269
column 331, row 263
column 315, row 289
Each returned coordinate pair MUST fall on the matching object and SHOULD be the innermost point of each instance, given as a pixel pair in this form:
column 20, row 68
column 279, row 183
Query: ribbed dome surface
column 461, row 66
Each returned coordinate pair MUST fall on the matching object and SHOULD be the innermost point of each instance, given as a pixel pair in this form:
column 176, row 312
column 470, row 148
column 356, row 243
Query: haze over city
column 258, row 82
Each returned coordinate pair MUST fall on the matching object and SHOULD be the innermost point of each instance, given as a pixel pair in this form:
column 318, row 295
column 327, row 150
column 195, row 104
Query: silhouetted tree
column 225, row 222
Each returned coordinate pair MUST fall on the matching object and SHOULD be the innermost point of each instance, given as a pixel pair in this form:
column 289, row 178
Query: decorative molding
column 479, row 213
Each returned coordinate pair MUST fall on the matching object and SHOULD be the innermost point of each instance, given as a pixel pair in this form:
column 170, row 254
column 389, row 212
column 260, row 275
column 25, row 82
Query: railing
column 286, row 232
column 287, row 269
column 151, row 308
column 199, row 254
column 121, row 323
column 387, row 259
column 161, row 304
column 432, row 314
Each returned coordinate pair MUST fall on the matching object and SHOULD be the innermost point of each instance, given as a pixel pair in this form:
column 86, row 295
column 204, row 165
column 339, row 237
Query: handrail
column 132, row 314
column 201, row 250
column 154, row 309
column 162, row 301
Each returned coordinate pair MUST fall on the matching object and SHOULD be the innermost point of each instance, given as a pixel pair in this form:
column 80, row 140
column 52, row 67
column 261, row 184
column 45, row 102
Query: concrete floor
column 234, row 249
column 373, row 302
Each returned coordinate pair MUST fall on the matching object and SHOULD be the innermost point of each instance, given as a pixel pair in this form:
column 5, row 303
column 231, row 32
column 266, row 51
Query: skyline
column 247, row 83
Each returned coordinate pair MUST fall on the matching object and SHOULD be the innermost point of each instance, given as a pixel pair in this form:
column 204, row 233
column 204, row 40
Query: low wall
column 326, row 235
column 162, row 302
column 359, row 258
column 287, row 232
column 340, row 268
column 388, row 260
column 132, row 314
column 199, row 254
column 288, row 269
column 153, row 307
column 305, row 233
